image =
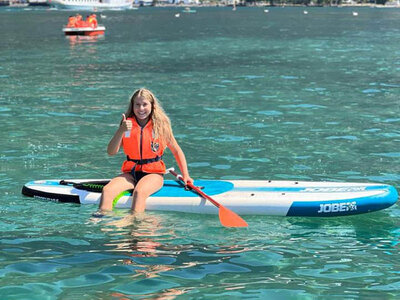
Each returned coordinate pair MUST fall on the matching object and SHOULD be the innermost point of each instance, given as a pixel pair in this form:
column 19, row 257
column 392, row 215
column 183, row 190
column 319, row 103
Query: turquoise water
column 252, row 95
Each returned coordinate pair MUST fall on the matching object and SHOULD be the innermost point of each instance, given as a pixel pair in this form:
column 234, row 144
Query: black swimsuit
column 139, row 175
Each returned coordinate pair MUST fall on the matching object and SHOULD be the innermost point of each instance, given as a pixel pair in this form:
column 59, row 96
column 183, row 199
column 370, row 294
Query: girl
column 144, row 133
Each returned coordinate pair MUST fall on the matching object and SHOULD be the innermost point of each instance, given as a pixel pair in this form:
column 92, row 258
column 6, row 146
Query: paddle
column 227, row 217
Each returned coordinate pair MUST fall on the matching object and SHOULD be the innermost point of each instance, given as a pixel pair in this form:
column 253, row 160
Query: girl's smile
column 142, row 109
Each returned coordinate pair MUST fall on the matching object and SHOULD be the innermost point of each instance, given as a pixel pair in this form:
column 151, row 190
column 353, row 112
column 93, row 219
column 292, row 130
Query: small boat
column 247, row 197
column 18, row 3
column 38, row 3
column 99, row 30
column 189, row 10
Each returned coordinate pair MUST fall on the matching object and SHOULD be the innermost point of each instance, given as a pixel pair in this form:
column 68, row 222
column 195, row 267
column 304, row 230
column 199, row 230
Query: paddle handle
column 193, row 187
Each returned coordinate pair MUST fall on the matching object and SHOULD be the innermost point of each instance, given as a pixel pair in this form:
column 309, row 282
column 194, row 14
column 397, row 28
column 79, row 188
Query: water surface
column 252, row 95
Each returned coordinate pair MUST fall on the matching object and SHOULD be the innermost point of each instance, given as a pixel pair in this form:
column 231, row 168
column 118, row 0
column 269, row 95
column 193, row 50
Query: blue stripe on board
column 344, row 207
column 211, row 187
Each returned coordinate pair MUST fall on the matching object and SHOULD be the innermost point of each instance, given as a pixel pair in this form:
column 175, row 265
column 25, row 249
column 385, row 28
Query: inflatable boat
column 245, row 197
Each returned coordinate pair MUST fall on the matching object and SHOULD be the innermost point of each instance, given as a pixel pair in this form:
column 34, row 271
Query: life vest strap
column 144, row 161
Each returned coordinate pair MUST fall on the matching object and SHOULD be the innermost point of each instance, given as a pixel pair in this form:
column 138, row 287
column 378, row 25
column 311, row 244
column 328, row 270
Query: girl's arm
column 180, row 159
column 116, row 141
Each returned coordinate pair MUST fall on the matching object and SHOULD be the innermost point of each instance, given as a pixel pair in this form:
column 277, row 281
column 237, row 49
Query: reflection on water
column 143, row 241
column 281, row 255
column 75, row 40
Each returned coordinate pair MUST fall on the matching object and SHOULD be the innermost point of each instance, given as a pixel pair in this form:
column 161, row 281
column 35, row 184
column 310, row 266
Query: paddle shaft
column 227, row 217
column 195, row 188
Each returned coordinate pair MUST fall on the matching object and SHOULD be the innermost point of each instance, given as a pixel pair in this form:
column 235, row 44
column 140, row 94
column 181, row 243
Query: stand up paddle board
column 247, row 197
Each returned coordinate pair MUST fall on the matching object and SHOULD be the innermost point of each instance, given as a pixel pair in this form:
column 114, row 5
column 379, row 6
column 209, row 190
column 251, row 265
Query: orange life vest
column 143, row 151
column 71, row 22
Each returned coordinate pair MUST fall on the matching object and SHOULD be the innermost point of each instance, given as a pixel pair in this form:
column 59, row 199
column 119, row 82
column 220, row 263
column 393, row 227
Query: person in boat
column 92, row 21
column 79, row 21
column 71, row 21
column 144, row 133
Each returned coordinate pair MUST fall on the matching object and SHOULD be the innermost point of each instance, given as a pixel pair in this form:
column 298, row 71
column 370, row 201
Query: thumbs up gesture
column 126, row 125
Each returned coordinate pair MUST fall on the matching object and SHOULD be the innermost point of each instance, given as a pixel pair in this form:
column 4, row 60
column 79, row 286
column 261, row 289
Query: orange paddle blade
column 229, row 219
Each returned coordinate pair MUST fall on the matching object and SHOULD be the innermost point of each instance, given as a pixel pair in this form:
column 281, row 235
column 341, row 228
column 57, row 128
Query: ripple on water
column 145, row 286
column 121, row 270
column 371, row 91
column 254, row 159
column 258, row 258
column 232, row 138
column 222, row 167
column 289, row 77
column 342, row 137
column 200, row 271
column 31, row 268
column 85, row 258
column 86, row 280
column 31, row 291
column 336, row 271
column 259, row 125
column 199, row 164
column 303, row 105
column 270, row 113
column 389, row 154
column 252, row 76
column 301, row 167
column 394, row 286
column 70, row 241
column 315, row 89
column 391, row 120
column 245, row 92
column 216, row 109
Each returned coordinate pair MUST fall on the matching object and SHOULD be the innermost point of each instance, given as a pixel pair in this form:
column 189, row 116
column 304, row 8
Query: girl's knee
column 111, row 190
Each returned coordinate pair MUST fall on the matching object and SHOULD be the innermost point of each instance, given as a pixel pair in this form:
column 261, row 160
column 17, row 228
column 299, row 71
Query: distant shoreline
column 266, row 4
column 25, row 3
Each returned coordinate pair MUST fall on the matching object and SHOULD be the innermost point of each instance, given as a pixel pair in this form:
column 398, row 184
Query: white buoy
column 266, row 10
column 177, row 15
column 305, row 12
column 103, row 16
column 355, row 13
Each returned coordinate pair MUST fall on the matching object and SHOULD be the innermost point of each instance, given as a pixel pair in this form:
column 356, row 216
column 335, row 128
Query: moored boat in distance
column 91, row 4
column 38, row 3
column 189, row 10
column 77, row 26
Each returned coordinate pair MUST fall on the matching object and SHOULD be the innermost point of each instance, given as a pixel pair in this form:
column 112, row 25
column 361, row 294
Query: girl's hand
column 187, row 179
column 126, row 125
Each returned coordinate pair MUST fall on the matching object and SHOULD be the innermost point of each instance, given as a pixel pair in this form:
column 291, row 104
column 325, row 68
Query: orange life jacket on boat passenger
column 92, row 20
column 71, row 22
column 144, row 152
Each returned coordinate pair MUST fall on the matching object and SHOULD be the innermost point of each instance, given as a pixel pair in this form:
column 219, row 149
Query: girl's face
column 141, row 109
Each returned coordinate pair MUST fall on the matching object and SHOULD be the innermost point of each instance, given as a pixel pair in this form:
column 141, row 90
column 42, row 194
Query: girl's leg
column 146, row 186
column 117, row 185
